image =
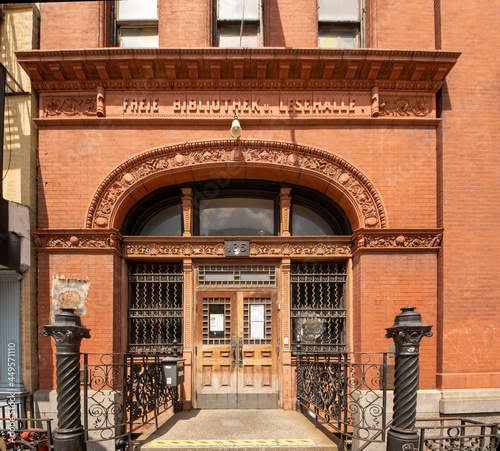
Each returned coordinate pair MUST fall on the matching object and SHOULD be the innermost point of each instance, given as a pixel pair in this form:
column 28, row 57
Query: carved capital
column 408, row 341
column 67, row 337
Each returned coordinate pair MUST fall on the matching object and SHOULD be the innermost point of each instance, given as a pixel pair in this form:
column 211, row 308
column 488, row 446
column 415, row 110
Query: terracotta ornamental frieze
column 253, row 104
column 397, row 239
column 110, row 240
column 344, row 177
column 275, row 249
column 77, row 239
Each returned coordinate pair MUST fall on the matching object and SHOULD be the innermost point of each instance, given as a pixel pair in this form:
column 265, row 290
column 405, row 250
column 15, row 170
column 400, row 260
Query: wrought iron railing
column 26, row 433
column 346, row 392
column 123, row 393
column 447, row 434
column 19, row 427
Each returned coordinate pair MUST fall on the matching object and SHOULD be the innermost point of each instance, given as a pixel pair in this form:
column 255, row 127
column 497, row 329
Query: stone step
column 239, row 430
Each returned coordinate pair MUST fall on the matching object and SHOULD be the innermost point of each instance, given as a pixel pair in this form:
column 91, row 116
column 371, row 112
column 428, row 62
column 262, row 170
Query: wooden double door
column 236, row 350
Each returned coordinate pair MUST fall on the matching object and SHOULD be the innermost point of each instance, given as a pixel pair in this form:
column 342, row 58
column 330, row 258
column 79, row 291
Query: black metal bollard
column 68, row 332
column 407, row 331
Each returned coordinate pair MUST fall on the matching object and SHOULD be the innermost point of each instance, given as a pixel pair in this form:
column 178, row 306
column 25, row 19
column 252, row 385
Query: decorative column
column 68, row 332
column 407, row 331
column 285, row 205
column 187, row 211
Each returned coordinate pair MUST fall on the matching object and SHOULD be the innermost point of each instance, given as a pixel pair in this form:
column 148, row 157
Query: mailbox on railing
column 173, row 371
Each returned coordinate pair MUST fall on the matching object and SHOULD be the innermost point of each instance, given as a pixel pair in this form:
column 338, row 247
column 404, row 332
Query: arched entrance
column 247, row 297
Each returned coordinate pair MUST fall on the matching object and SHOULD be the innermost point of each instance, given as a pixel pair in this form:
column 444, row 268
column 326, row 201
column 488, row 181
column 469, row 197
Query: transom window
column 236, row 211
column 233, row 216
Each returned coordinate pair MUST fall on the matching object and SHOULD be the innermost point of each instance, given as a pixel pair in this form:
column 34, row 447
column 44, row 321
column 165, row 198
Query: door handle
column 240, row 346
column 233, row 352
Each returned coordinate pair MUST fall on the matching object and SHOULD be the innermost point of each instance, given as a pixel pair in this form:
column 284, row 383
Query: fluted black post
column 407, row 332
column 68, row 332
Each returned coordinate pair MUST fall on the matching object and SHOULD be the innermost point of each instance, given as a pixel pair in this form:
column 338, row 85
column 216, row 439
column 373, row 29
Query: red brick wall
column 425, row 179
column 400, row 24
column 399, row 161
column 102, row 317
column 291, row 23
column 74, row 25
column 470, row 212
column 185, row 24
column 383, row 284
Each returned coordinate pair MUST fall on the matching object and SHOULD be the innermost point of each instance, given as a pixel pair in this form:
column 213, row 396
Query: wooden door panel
column 216, row 374
column 260, row 325
column 237, row 350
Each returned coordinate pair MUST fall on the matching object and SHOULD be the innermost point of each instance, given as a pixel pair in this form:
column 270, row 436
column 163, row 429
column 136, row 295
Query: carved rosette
column 341, row 174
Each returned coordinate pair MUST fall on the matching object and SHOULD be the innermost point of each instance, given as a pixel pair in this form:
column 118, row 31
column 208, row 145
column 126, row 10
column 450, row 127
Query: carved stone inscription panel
column 246, row 104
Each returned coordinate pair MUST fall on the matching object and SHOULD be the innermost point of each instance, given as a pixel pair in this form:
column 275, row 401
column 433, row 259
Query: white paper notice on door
column 216, row 322
column 257, row 322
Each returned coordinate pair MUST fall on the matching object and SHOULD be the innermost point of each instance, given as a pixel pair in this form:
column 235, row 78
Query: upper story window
column 137, row 23
column 237, row 23
column 339, row 24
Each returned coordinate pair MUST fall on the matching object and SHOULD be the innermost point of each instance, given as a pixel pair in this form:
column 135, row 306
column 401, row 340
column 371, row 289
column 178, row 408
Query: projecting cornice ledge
column 226, row 69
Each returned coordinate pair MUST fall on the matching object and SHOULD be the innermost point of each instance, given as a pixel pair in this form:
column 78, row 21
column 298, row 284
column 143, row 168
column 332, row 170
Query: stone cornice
column 216, row 68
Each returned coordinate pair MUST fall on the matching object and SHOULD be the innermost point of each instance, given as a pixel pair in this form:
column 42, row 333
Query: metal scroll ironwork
column 155, row 307
column 122, row 393
column 20, row 428
column 318, row 309
column 344, row 391
column 443, row 434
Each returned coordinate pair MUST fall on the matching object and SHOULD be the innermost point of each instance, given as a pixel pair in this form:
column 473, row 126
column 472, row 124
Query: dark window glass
column 166, row 222
column 306, row 222
column 233, row 216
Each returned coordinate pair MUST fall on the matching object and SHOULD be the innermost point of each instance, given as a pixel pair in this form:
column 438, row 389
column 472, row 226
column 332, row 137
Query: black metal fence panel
column 346, row 392
column 19, row 427
column 450, row 434
column 122, row 393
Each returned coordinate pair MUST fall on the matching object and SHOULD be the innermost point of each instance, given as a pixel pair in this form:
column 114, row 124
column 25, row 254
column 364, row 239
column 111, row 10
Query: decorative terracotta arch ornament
column 286, row 162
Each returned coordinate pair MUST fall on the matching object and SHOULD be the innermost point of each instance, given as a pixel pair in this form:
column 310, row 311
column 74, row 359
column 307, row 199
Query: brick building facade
column 371, row 167
column 19, row 31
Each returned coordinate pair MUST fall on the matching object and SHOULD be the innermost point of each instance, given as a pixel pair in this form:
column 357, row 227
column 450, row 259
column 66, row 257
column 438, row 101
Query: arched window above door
column 241, row 208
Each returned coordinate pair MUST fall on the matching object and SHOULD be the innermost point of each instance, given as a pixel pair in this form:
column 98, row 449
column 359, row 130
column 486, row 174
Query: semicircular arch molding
column 237, row 159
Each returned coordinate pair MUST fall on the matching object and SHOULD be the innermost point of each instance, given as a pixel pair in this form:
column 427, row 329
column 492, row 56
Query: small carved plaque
column 68, row 293
column 240, row 248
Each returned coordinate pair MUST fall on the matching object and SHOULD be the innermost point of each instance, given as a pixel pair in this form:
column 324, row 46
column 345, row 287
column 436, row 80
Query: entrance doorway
column 237, row 350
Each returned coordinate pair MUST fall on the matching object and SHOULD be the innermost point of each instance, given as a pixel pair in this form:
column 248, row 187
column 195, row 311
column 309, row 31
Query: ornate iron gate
column 155, row 307
column 318, row 307
column 346, row 392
